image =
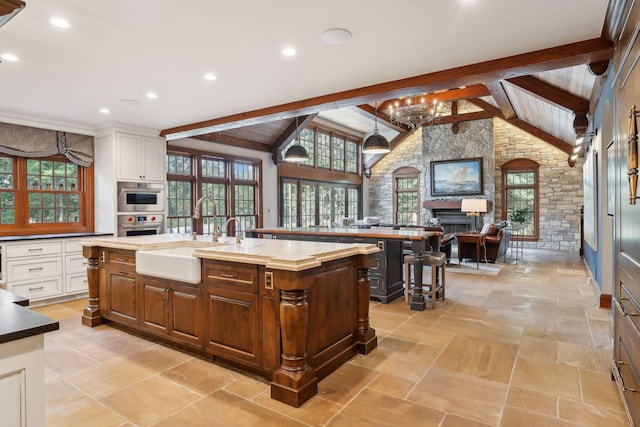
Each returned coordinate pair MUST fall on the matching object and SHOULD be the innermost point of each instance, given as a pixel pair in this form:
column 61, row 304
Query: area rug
column 469, row 267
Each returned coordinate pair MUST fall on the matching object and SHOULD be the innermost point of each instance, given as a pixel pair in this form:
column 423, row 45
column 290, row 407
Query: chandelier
column 416, row 112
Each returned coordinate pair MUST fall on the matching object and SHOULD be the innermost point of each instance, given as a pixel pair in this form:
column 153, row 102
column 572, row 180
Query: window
column 233, row 183
column 520, row 191
column 330, row 150
column 44, row 195
column 307, row 203
column 406, row 196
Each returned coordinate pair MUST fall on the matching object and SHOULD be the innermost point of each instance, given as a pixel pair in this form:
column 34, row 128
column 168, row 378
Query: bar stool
column 437, row 260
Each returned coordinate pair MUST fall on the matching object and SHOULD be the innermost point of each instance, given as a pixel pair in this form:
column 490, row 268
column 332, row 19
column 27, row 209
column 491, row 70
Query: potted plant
column 518, row 217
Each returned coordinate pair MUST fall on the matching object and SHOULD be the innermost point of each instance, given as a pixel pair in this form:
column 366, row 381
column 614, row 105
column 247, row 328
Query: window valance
column 25, row 141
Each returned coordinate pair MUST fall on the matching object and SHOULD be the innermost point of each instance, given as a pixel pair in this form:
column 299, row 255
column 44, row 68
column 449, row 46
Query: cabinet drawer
column 72, row 246
column 76, row 283
column 120, row 259
column 33, row 249
column 33, row 268
column 76, row 264
column 36, row 289
column 233, row 276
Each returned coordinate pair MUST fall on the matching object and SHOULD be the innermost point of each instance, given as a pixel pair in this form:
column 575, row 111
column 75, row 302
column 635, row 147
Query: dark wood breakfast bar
column 386, row 275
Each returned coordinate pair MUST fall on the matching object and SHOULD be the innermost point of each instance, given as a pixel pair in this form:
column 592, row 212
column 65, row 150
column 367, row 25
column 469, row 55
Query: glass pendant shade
column 296, row 153
column 376, row 144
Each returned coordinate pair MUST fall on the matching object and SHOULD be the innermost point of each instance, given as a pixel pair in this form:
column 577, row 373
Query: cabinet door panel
column 154, row 300
column 185, row 316
column 233, row 324
column 122, row 295
column 153, row 159
column 128, row 157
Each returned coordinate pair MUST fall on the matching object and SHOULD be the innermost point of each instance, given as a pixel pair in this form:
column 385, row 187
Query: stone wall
column 561, row 188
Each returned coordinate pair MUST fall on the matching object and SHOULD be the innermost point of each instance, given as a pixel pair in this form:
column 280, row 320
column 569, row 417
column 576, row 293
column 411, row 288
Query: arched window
column 406, row 196
column 520, row 192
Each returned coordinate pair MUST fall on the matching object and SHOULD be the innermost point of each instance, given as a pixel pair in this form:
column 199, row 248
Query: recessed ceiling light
column 152, row 95
column 336, row 36
column 105, row 110
column 209, row 76
column 9, row 57
column 130, row 102
column 59, row 22
column 289, row 51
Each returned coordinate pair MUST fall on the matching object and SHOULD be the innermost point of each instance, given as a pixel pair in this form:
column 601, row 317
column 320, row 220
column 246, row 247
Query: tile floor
column 526, row 347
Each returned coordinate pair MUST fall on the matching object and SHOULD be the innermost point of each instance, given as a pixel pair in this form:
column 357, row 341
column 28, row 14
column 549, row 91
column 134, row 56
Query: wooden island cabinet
column 292, row 312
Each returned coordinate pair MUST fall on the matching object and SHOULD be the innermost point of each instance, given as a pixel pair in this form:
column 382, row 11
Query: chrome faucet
column 196, row 215
column 226, row 226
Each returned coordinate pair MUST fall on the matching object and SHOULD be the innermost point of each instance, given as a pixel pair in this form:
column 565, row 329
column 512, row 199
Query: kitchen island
column 292, row 312
column 386, row 275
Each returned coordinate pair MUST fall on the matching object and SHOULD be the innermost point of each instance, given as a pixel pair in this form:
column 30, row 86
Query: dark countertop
column 49, row 236
column 372, row 233
column 17, row 321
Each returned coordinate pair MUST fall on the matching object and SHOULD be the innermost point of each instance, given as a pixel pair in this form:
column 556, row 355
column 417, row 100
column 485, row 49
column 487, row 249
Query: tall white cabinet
column 124, row 153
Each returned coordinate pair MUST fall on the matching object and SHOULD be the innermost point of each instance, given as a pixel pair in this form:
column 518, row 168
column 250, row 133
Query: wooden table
column 475, row 238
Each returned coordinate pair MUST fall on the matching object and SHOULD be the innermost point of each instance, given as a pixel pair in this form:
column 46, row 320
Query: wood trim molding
column 582, row 52
column 504, row 103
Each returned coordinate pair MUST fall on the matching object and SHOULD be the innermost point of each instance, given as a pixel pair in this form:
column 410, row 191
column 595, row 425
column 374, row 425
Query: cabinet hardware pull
column 102, row 257
column 36, row 269
column 228, row 275
column 616, row 374
column 36, row 289
column 620, row 307
column 34, row 249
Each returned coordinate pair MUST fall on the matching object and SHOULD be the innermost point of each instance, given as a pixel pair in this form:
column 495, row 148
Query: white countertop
column 278, row 254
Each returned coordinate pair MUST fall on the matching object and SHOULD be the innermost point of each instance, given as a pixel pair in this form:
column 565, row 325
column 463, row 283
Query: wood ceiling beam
column 551, row 94
column 584, row 52
column 472, row 91
column 8, row 6
column 525, row 126
column 289, row 135
column 222, row 138
column 500, row 95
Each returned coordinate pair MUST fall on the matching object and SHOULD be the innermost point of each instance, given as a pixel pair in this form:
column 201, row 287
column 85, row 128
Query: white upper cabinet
column 140, row 158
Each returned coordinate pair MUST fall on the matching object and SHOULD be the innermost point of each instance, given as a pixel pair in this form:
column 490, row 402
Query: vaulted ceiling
column 537, row 65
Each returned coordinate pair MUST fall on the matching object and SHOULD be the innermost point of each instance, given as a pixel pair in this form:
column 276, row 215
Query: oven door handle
column 139, row 190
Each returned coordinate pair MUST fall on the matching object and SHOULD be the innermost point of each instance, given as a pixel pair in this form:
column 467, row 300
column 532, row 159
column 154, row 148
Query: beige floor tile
column 591, row 416
column 491, row 360
column 514, row 417
column 455, row 421
column 347, row 381
column 82, row 411
column 315, row 412
column 62, row 362
column 544, row 377
column 59, row 392
column 598, row 389
column 506, row 316
column 444, row 390
column 158, row 357
column 405, row 365
column 202, row 376
column 538, row 348
column 109, row 377
column 433, row 337
column 544, row 324
column 388, row 321
column 150, row 400
column 532, row 401
column 586, row 357
column 247, row 386
column 223, row 409
column 392, row 385
column 105, row 344
column 479, row 329
column 378, row 409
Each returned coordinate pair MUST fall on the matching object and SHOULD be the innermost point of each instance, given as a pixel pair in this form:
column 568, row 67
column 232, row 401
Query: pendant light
column 376, row 143
column 296, row 153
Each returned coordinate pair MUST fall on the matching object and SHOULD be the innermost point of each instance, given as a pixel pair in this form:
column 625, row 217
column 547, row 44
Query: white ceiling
column 121, row 49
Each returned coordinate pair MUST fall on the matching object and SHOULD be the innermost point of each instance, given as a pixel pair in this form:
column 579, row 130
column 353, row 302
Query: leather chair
column 493, row 243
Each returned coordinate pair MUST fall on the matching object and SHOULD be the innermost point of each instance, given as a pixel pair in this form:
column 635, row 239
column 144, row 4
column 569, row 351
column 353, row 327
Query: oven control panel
column 141, row 219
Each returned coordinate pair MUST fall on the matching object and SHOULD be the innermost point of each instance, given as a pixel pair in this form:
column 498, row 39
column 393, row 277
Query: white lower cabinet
column 47, row 268
column 22, row 397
